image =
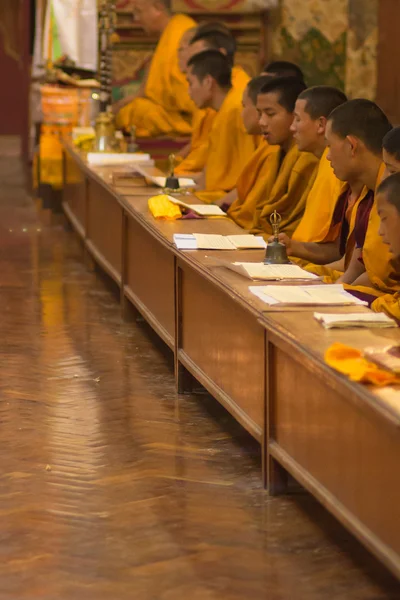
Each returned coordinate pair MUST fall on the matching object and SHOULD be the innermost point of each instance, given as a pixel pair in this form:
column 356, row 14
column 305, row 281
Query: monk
column 251, row 184
column 354, row 134
column 291, row 172
column 162, row 105
column 283, row 68
column 209, row 36
column 210, row 85
column 391, row 151
column 388, row 206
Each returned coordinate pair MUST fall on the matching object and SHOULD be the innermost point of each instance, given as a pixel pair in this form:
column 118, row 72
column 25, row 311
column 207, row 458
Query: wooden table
column 337, row 438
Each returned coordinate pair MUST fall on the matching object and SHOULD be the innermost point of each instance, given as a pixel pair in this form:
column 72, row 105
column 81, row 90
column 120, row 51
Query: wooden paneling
column 75, row 194
column 388, row 93
column 345, row 453
column 222, row 345
column 104, row 229
column 149, row 282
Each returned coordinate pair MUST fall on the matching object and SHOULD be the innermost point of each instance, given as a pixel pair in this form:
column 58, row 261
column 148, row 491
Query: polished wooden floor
column 112, row 486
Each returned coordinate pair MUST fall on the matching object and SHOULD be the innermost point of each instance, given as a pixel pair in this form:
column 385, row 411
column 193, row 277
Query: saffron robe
column 315, row 225
column 255, row 183
column 167, row 108
column 230, row 148
column 202, row 125
column 389, row 304
column 292, row 179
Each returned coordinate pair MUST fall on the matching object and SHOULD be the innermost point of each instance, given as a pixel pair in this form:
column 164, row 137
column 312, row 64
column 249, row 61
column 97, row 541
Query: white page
column 247, row 241
column 185, row 241
column 213, row 242
column 331, row 295
column 104, row 158
column 206, row 210
column 277, row 272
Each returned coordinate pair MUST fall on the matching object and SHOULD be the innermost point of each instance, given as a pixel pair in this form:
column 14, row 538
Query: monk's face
column 200, row 91
column 391, row 162
column 147, row 13
column 250, row 115
column 389, row 228
column 183, row 50
column 274, row 120
column 340, row 154
column 306, row 131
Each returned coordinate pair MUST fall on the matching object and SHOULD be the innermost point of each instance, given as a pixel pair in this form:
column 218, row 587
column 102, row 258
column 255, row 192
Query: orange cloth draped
column 291, row 183
column 315, row 225
column 166, row 108
column 254, row 184
column 202, row 125
column 230, row 148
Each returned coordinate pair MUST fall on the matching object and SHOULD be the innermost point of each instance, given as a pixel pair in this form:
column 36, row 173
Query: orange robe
column 230, row 147
column 166, row 108
column 316, row 222
column 291, row 181
column 202, row 125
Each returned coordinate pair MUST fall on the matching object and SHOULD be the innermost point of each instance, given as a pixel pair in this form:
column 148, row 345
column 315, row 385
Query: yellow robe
column 230, row 147
column 389, row 304
column 321, row 202
column 289, row 186
column 166, row 108
column 202, row 125
column 254, row 184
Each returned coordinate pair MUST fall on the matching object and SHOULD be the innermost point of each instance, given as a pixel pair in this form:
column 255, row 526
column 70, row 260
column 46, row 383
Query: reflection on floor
column 112, row 486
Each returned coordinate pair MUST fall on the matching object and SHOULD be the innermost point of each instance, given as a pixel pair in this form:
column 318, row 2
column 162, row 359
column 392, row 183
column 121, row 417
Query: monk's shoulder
column 305, row 162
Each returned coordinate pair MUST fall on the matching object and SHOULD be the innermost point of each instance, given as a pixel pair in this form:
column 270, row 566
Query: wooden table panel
column 150, row 279
column 74, row 194
column 104, row 230
column 222, row 345
column 344, row 452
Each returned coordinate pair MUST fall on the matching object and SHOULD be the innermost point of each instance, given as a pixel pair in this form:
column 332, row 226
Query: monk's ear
column 354, row 143
column 208, row 82
column 322, row 121
column 223, row 51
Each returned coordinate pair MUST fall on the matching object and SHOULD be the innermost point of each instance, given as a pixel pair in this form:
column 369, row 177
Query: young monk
column 354, row 134
column 210, row 36
column 291, row 172
column 210, row 85
column 391, row 151
column 283, row 68
column 388, row 206
column 162, row 105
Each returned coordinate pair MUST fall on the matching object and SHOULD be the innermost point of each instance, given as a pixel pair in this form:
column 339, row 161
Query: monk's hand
column 285, row 240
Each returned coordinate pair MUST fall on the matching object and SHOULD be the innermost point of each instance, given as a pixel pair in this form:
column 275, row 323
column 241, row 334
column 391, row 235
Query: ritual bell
column 105, row 140
column 276, row 251
column 172, row 182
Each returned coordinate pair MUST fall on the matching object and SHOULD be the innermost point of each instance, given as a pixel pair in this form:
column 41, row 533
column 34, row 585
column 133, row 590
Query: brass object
column 172, row 182
column 105, row 133
column 276, row 252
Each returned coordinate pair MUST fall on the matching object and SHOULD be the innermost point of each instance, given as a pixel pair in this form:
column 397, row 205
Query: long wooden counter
column 337, row 438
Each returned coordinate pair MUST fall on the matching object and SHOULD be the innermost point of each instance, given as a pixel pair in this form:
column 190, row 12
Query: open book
column 204, row 210
column 367, row 320
column 157, row 177
column 311, row 295
column 203, row 241
column 105, row 158
column 267, row 272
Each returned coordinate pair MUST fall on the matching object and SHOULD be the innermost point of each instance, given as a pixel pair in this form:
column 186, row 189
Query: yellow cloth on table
column 162, row 208
column 230, row 148
column 350, row 362
column 320, row 206
column 202, row 124
column 291, row 182
column 389, row 304
column 166, row 108
column 254, row 184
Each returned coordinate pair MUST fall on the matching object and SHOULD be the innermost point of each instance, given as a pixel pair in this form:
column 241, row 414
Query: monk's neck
column 219, row 97
column 319, row 150
column 285, row 146
column 355, row 189
column 370, row 173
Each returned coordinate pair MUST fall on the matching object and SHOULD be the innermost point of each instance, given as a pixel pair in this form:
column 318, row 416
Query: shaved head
column 152, row 15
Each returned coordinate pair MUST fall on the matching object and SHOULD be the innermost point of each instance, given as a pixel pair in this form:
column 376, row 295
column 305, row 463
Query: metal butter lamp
column 276, row 251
